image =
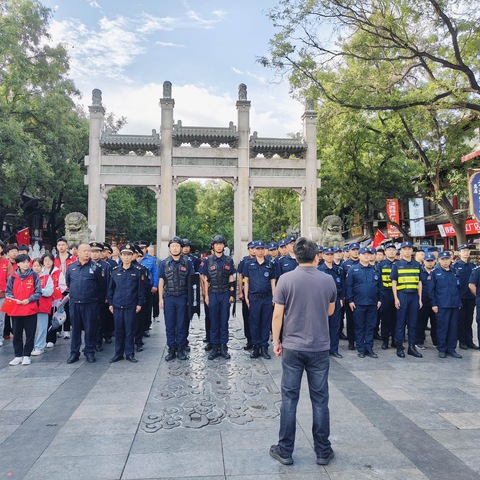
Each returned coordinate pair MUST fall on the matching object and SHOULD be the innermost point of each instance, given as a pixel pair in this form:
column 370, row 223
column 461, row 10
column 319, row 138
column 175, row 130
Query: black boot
column 181, row 354
column 224, row 352
column 170, row 355
column 400, row 350
column 412, row 350
column 264, row 352
column 208, row 347
column 385, row 344
column 214, row 353
column 255, row 352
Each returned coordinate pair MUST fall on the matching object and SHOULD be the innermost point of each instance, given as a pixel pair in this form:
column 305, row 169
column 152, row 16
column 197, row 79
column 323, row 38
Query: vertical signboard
column 416, row 213
column 394, row 216
column 474, row 192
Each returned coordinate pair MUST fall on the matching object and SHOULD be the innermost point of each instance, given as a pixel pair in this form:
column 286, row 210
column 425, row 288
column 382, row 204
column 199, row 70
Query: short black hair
column 12, row 246
column 305, row 250
column 21, row 258
column 62, row 239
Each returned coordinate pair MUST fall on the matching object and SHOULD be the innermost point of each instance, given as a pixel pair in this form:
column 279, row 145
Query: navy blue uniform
column 86, row 285
column 140, row 316
column 465, row 316
column 174, row 281
column 445, row 294
column 363, row 289
column 426, row 313
column 346, row 265
column 245, row 309
column 125, row 293
column 335, row 320
column 103, row 329
column 285, row 264
column 217, row 271
column 260, row 276
column 475, row 280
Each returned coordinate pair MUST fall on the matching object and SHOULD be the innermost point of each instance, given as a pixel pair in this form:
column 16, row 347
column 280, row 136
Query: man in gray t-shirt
column 304, row 298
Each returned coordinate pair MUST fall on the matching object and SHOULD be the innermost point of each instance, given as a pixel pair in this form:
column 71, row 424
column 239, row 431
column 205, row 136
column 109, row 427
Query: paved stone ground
column 390, row 418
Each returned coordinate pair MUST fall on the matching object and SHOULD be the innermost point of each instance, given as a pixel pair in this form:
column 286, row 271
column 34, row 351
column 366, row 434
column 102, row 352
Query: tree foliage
column 43, row 135
column 413, row 64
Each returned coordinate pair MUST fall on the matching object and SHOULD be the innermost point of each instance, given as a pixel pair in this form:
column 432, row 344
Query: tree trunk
column 458, row 221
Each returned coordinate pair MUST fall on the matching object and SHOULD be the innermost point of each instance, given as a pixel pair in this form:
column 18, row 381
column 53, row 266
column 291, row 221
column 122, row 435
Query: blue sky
column 128, row 48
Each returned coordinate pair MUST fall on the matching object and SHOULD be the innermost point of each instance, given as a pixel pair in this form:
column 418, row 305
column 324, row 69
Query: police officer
column 334, row 321
column 407, row 292
column 97, row 250
column 346, row 265
column 241, row 294
column 445, row 297
column 147, row 288
column 363, row 297
column 426, row 313
column 126, row 295
column 187, row 251
column 149, row 262
column 217, row 274
column 282, row 248
column 173, row 273
column 388, row 312
column 272, row 255
column 288, row 262
column 85, row 281
column 259, row 287
column 464, row 269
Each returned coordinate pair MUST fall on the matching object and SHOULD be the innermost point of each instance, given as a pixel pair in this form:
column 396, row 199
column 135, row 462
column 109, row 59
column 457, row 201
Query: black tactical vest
column 176, row 278
column 218, row 277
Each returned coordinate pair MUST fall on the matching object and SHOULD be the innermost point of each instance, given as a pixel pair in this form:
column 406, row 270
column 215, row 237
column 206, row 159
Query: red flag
column 23, row 237
column 379, row 238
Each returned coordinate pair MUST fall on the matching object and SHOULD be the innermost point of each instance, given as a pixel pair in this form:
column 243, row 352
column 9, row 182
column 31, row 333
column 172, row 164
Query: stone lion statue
column 331, row 232
column 76, row 228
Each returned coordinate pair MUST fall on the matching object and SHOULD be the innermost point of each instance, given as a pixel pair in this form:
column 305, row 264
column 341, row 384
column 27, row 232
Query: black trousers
column 465, row 320
column 21, row 324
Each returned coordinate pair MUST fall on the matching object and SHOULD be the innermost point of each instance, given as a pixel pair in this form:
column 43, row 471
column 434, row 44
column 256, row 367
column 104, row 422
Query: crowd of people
column 392, row 295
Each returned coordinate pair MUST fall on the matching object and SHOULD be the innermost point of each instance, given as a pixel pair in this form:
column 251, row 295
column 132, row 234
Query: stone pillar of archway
column 308, row 196
column 96, row 214
column 242, row 229
column 166, row 194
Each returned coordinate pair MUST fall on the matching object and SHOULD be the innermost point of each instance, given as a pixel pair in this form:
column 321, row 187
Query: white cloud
column 198, row 21
column 94, row 4
column 150, row 23
column 196, row 105
column 105, row 51
column 168, row 44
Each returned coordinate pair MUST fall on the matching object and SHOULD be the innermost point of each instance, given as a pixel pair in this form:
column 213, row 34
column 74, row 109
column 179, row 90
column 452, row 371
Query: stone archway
column 161, row 161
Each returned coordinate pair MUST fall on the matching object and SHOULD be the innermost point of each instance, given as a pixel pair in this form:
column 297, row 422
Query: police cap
column 429, row 257
column 138, row 249
column 128, row 248
column 335, row 249
column 96, row 246
column 290, row 240
column 390, row 245
column 329, row 251
column 142, row 243
column 251, row 244
column 259, row 244
column 282, row 242
column 176, row 240
column 363, row 250
column 406, row 245
column 462, row 247
column 354, row 246
column 320, row 248
column 272, row 246
column 107, row 246
column 444, row 255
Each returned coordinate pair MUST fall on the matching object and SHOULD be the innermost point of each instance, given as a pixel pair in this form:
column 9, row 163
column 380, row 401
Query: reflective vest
column 386, row 270
column 408, row 277
column 176, row 277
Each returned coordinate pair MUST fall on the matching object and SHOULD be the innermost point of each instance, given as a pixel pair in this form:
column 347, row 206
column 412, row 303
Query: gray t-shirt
column 306, row 293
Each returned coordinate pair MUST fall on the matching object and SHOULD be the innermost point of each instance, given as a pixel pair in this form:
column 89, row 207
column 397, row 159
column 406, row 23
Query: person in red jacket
column 44, row 306
column 21, row 303
column 3, row 286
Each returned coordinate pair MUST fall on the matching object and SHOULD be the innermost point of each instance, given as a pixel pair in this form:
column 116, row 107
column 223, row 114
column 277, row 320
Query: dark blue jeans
column 316, row 364
column 175, row 326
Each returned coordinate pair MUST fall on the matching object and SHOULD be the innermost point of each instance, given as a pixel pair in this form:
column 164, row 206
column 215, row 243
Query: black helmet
column 186, row 242
column 176, row 240
column 219, row 239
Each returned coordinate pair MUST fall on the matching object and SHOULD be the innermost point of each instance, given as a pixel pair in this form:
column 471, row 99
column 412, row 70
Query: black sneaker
column 324, row 458
column 277, row 454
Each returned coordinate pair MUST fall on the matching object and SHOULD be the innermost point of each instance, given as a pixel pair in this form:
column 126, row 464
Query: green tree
column 415, row 63
column 43, row 135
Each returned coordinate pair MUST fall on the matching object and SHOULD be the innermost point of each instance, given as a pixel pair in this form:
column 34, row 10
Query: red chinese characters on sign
column 394, row 216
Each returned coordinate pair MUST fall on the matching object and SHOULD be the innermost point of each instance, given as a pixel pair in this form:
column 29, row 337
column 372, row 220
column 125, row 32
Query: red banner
column 394, row 216
column 379, row 238
column 472, row 227
column 23, row 237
